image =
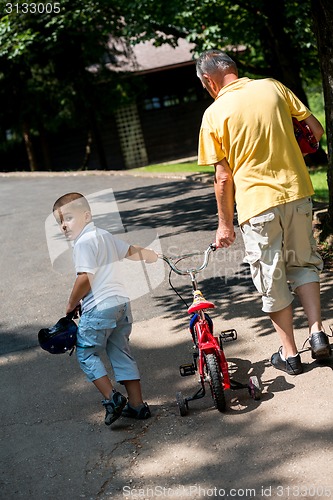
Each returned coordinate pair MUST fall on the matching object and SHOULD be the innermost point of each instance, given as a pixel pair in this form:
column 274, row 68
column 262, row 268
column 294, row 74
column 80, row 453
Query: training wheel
column 254, row 388
column 182, row 406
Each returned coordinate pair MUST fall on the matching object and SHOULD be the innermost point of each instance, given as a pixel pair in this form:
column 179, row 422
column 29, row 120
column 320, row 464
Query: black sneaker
column 291, row 365
column 140, row 413
column 114, row 407
column 320, row 346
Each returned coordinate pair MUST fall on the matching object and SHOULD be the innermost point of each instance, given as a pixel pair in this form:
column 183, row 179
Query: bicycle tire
column 254, row 388
column 215, row 381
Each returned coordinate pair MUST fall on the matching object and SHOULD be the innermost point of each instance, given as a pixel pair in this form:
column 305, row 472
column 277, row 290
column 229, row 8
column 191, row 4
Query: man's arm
column 225, row 197
column 80, row 289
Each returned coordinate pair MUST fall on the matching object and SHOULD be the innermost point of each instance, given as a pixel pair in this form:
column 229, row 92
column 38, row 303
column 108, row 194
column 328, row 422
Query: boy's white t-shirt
column 98, row 252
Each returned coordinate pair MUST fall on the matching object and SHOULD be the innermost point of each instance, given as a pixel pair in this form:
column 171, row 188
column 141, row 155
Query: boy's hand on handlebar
column 135, row 252
column 150, row 256
column 225, row 237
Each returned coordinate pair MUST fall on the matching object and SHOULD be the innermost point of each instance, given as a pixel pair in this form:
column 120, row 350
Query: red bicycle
column 208, row 356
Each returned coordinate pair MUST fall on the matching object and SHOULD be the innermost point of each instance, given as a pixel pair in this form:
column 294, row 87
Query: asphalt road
column 172, row 216
column 54, row 444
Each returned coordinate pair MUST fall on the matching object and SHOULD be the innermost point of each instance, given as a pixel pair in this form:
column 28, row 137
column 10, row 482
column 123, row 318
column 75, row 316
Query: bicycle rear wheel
column 214, row 378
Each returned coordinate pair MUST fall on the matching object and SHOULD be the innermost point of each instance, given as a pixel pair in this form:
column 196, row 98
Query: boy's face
column 72, row 220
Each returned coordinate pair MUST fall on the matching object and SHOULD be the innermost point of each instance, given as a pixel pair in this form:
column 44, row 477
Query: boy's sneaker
column 114, row 407
column 291, row 365
column 320, row 346
column 140, row 413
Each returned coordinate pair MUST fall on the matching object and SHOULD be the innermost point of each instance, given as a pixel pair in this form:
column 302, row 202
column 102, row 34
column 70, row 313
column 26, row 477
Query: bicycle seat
column 199, row 302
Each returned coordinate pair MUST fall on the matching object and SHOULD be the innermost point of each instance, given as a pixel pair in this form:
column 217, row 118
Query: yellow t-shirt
column 250, row 125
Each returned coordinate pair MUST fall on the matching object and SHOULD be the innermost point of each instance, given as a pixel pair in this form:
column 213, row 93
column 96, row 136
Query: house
column 163, row 122
column 160, row 124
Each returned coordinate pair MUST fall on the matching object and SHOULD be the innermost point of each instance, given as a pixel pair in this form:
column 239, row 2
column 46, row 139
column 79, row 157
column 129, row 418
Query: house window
column 191, row 96
column 168, row 101
column 153, row 103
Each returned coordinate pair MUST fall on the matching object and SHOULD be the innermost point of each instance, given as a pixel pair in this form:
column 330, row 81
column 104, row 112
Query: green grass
column 170, row 168
column 319, row 180
column 318, row 175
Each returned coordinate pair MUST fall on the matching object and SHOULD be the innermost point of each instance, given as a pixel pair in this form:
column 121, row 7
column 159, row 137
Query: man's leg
column 309, row 295
column 283, row 324
column 287, row 358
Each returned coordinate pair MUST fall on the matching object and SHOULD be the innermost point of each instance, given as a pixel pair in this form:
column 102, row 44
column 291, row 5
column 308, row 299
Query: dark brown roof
column 151, row 58
column 145, row 57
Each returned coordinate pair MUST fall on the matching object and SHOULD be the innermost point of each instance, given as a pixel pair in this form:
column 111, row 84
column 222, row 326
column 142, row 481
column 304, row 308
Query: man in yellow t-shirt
column 247, row 134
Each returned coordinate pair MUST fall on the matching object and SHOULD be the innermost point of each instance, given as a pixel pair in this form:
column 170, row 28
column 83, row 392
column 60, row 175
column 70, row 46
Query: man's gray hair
column 212, row 61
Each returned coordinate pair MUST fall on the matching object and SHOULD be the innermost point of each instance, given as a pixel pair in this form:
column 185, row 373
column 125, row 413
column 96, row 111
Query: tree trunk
column 87, row 153
column 47, row 164
column 281, row 57
column 279, row 51
column 322, row 12
column 29, row 146
column 98, row 141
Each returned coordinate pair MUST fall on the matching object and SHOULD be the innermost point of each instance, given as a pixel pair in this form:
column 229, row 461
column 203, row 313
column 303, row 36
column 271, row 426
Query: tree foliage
column 276, row 38
column 267, row 37
column 50, row 65
column 53, row 66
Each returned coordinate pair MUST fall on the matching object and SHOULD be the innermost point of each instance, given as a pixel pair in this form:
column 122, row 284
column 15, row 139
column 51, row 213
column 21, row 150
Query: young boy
column 105, row 324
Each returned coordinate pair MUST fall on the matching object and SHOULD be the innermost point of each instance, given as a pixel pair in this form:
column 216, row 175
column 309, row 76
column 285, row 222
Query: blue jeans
column 106, row 328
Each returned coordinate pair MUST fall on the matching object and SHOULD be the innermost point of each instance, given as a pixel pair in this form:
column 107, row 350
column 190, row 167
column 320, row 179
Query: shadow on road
column 54, row 443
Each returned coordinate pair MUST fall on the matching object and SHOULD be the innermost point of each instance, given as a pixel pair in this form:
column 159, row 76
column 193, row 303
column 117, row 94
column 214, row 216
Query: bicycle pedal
column 228, row 335
column 186, row 370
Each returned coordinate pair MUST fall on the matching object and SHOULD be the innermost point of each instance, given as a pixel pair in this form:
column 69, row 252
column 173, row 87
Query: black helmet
column 59, row 338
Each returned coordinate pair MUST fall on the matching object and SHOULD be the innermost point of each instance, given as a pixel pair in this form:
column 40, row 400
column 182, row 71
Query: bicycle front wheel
column 214, row 378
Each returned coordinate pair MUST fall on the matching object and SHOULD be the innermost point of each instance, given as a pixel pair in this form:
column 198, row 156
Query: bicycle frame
column 204, row 339
column 208, row 344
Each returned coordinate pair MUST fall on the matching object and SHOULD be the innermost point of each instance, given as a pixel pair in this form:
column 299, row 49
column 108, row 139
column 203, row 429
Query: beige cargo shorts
column 281, row 251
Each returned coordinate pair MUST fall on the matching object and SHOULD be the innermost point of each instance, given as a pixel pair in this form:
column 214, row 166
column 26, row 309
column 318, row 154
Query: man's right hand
column 225, row 237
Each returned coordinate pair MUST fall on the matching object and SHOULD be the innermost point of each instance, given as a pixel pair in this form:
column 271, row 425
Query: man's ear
column 211, row 83
column 206, row 79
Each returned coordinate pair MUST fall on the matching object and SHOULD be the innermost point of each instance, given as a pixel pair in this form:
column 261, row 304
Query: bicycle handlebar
column 172, row 264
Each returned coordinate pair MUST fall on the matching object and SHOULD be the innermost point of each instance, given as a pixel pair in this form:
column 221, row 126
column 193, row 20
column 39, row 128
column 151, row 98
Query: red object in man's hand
column 305, row 138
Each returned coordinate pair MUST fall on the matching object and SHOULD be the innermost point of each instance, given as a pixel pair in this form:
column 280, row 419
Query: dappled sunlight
column 226, row 449
column 175, row 455
column 53, row 433
column 146, row 335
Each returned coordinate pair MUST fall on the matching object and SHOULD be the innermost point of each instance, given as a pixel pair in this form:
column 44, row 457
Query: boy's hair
column 80, row 202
